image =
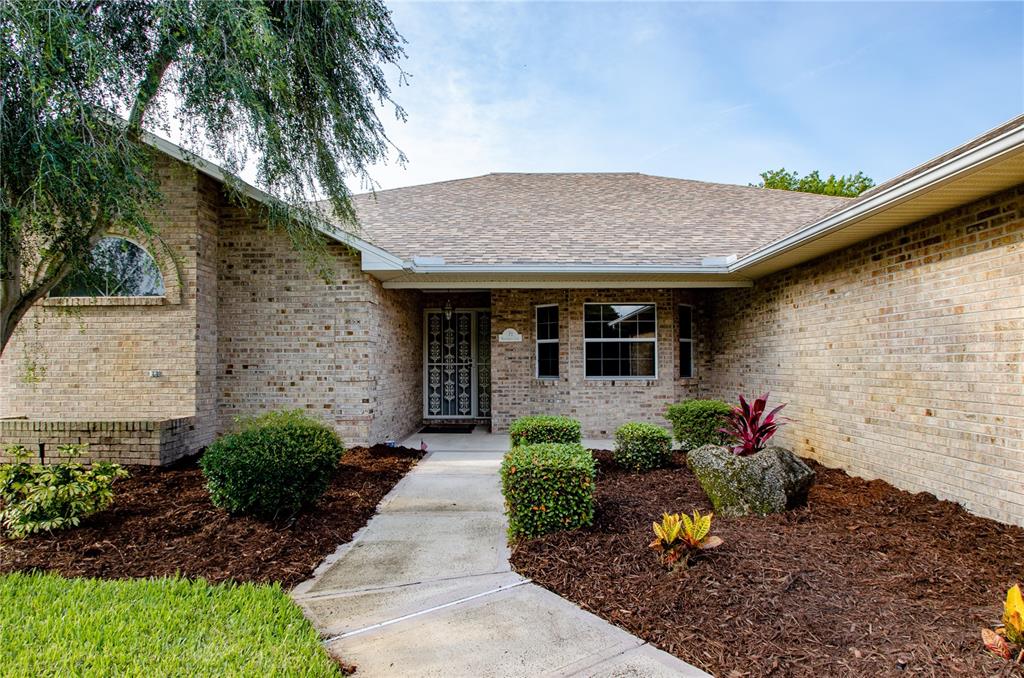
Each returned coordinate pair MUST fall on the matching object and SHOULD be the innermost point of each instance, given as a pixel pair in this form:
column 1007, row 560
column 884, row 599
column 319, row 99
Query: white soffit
column 991, row 167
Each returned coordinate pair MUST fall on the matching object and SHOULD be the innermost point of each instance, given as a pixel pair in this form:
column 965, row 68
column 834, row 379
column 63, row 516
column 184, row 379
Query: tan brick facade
column 900, row 357
column 126, row 442
column 245, row 327
column 85, row 360
column 601, row 405
column 287, row 339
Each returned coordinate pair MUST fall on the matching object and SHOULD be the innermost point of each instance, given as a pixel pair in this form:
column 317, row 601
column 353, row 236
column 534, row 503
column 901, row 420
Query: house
column 892, row 324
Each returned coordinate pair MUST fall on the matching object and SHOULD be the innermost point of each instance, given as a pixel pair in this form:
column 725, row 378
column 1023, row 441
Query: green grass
column 51, row 626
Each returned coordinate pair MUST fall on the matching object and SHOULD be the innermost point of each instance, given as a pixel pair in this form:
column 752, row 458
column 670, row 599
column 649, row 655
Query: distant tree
column 848, row 186
column 294, row 83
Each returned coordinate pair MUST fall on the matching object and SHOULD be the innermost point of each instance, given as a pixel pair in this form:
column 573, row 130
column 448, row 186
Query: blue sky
column 716, row 92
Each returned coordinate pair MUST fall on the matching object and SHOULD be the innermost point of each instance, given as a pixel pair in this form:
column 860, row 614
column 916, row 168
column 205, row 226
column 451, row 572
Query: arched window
column 116, row 268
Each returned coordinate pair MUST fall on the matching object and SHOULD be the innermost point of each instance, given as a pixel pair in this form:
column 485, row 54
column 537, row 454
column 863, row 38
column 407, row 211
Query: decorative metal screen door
column 457, row 354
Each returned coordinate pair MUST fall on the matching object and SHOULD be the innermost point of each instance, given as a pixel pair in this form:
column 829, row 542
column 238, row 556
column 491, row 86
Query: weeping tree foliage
column 848, row 186
column 291, row 86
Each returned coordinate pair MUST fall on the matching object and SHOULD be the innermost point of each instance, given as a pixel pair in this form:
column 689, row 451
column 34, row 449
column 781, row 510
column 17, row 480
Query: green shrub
column 642, row 447
column 47, row 497
column 547, row 487
column 544, row 429
column 695, row 423
column 276, row 465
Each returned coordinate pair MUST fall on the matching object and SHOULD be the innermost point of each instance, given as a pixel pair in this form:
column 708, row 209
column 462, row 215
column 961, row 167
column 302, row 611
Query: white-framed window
column 685, row 341
column 620, row 341
column 547, row 341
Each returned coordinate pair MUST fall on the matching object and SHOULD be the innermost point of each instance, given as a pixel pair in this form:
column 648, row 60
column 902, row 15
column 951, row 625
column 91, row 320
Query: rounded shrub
column 642, row 447
column 547, row 488
column 273, row 467
column 544, row 429
column 695, row 423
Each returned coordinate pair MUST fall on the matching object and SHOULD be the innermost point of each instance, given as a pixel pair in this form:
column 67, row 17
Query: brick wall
column 245, row 327
column 900, row 357
column 600, row 405
column 127, row 442
column 397, row 399
column 210, row 200
column 343, row 351
column 89, row 359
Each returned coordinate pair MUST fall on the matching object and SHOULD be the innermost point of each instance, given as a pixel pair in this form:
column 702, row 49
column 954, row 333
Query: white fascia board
column 631, row 283
column 379, row 258
column 991, row 150
column 568, row 268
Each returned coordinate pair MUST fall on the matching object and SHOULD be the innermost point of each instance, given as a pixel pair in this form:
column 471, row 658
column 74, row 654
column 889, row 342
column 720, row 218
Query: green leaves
column 641, row 447
column 849, row 186
column 44, row 498
column 277, row 465
column 293, row 86
column 544, row 429
column 547, row 487
column 695, row 423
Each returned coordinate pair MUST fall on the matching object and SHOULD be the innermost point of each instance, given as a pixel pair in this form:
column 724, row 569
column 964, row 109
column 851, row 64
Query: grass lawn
column 52, row 626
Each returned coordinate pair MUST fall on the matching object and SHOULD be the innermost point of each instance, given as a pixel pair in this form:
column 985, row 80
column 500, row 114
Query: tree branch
column 15, row 302
column 164, row 56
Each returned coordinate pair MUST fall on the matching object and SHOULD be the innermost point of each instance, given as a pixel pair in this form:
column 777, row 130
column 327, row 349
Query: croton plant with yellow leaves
column 1008, row 640
column 679, row 536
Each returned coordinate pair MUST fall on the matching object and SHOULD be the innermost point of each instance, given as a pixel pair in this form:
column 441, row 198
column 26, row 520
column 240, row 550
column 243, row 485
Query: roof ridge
column 426, row 183
column 700, row 182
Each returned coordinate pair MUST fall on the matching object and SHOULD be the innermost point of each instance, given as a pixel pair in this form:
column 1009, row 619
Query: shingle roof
column 582, row 219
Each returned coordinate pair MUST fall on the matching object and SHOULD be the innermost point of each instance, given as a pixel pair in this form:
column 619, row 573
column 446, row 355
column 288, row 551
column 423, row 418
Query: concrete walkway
column 426, row 589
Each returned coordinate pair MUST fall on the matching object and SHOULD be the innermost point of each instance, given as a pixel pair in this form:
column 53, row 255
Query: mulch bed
column 162, row 523
column 864, row 580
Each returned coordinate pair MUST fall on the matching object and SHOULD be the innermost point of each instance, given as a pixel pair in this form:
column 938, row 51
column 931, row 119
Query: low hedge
column 547, row 488
column 49, row 497
column 695, row 423
column 275, row 466
column 642, row 447
column 544, row 429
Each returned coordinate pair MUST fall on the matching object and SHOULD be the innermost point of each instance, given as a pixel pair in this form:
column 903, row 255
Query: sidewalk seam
column 341, row 593
column 413, row 615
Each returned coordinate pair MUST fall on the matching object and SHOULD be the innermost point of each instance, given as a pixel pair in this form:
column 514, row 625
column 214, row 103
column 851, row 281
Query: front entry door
column 457, row 365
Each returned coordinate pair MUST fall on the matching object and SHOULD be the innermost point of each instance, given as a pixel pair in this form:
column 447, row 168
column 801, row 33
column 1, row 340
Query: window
column 116, row 268
column 686, row 341
column 547, row 342
column 620, row 340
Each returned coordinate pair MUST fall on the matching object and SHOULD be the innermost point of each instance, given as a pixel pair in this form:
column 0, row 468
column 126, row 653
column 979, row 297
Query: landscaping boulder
column 769, row 481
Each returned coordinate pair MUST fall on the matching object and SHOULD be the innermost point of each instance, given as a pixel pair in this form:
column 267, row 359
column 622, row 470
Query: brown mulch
column 162, row 523
column 864, row 580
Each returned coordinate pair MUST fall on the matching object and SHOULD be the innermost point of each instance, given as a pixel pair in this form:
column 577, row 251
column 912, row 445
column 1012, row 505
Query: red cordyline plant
column 745, row 425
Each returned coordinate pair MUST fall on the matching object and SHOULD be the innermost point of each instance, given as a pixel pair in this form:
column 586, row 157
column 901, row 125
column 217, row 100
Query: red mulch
column 162, row 523
column 864, row 580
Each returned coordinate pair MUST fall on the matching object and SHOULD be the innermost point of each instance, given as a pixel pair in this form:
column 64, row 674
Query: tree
column 294, row 83
column 848, row 186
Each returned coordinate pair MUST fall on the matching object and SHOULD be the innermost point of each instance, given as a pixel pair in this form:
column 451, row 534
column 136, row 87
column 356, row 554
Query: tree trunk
column 15, row 302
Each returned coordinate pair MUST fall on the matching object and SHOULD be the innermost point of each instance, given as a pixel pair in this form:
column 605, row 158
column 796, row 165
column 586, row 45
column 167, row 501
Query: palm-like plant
column 746, row 427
